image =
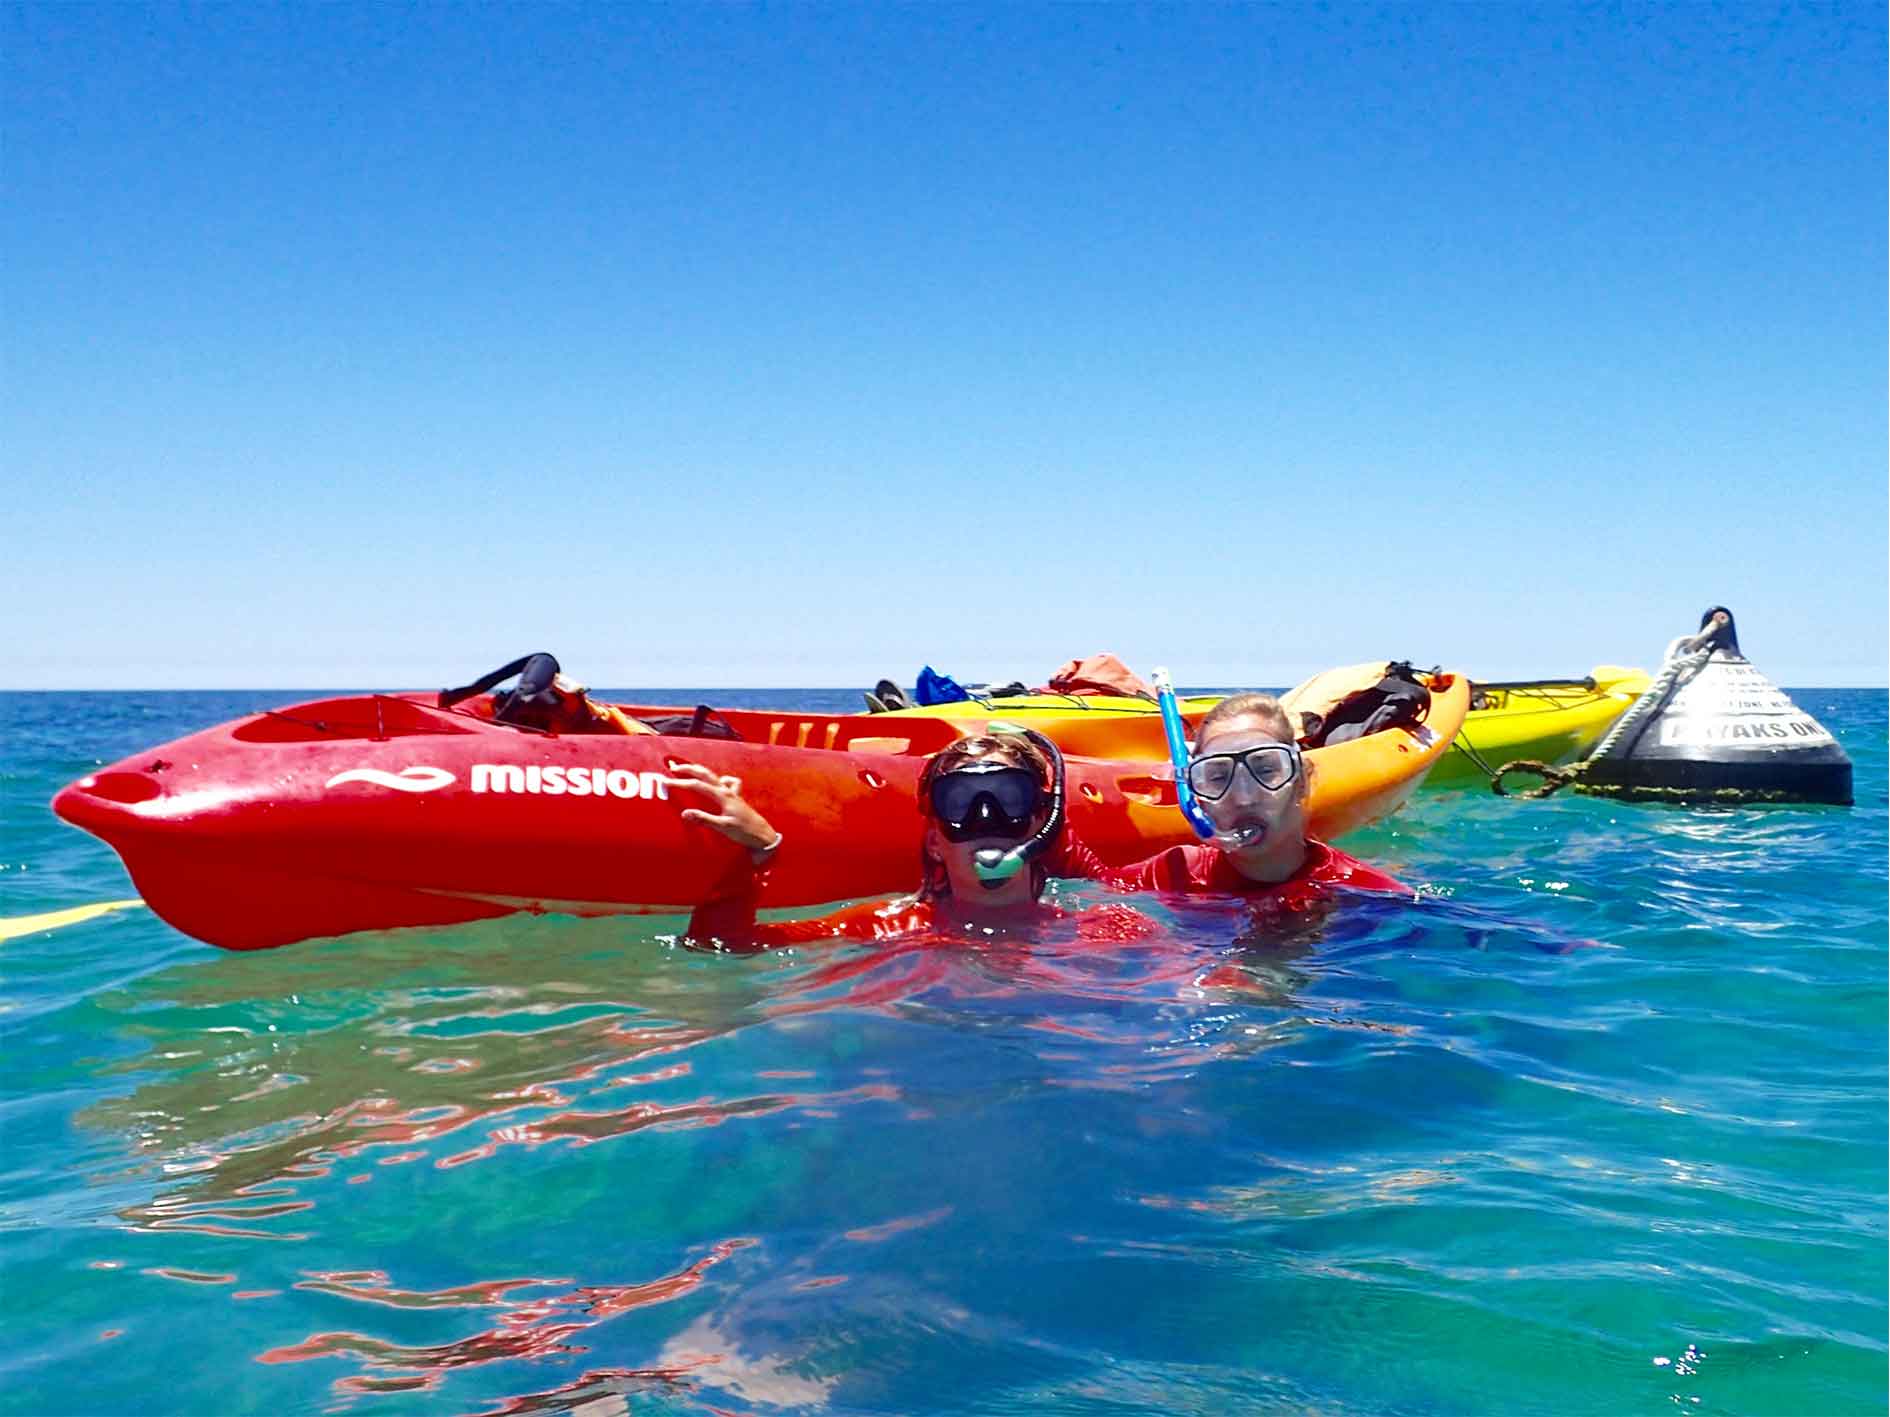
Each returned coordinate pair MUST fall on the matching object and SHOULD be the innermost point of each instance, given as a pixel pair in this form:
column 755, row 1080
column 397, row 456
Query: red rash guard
column 729, row 917
column 1205, row 870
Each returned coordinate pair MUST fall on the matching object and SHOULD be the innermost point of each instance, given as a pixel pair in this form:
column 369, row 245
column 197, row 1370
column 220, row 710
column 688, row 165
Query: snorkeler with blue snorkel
column 1243, row 786
column 996, row 833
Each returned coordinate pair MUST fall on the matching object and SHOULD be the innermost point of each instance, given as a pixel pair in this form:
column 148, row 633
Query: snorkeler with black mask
column 995, row 831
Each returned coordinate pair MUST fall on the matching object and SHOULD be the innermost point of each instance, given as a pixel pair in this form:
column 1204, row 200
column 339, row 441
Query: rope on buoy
column 1680, row 667
column 1647, row 707
column 1554, row 779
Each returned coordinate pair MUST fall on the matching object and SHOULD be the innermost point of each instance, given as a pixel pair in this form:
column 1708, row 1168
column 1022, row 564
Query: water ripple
column 1598, row 1127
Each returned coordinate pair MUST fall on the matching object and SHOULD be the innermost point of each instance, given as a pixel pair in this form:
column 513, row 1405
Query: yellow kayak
column 1353, row 784
column 1549, row 721
column 1084, row 725
column 16, row 927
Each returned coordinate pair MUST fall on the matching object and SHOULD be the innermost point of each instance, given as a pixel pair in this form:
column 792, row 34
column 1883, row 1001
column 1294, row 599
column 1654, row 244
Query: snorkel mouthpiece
column 995, row 866
column 1241, row 837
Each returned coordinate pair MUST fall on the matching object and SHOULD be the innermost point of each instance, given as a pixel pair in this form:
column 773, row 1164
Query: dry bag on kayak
column 1343, row 704
column 933, row 688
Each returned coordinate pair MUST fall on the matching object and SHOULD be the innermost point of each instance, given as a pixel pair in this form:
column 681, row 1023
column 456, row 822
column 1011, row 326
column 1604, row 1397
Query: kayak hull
column 380, row 812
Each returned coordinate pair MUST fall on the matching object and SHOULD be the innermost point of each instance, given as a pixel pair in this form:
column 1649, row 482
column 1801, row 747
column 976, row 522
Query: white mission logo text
column 506, row 779
column 555, row 781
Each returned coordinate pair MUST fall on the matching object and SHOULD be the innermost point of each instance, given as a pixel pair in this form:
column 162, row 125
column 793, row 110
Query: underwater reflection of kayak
column 379, row 811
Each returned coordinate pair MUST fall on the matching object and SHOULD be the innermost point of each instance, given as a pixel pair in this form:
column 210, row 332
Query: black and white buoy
column 1711, row 727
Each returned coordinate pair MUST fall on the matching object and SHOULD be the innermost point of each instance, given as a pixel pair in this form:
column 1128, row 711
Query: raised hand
column 728, row 813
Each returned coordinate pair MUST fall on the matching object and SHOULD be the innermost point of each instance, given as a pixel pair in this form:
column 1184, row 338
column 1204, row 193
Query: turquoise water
column 1435, row 1159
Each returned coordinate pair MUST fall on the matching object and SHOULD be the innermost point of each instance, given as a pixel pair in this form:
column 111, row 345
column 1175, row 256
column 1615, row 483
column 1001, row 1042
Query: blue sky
column 793, row 345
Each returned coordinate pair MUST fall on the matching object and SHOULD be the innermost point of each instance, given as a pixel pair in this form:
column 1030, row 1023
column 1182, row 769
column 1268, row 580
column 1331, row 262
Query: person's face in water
column 969, row 888
column 1271, row 822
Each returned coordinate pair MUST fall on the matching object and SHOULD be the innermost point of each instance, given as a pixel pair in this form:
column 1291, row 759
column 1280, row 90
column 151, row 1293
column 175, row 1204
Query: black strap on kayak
column 1587, row 684
column 541, row 676
column 705, row 722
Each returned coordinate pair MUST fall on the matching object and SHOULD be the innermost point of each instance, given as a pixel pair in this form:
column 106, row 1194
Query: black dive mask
column 998, row 800
column 986, row 800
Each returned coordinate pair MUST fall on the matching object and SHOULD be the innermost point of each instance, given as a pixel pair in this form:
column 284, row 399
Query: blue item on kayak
column 936, row 688
column 1178, row 753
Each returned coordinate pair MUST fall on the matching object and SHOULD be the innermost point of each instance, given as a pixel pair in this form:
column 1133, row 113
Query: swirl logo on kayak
column 510, row 778
column 406, row 780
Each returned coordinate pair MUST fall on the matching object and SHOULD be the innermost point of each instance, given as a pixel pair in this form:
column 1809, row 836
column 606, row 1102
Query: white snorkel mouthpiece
column 1241, row 837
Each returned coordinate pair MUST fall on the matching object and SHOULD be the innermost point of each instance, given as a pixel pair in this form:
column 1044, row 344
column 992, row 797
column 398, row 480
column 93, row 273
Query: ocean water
column 1600, row 1127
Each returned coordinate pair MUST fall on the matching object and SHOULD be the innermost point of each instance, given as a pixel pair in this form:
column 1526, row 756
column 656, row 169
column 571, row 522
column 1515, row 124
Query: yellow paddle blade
column 11, row 928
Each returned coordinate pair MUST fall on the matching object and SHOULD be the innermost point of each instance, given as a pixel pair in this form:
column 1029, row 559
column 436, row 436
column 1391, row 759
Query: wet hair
column 1264, row 707
column 1009, row 749
column 1272, row 716
column 1012, row 750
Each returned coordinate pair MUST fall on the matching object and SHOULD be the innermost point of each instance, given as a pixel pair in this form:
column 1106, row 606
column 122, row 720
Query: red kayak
column 380, row 811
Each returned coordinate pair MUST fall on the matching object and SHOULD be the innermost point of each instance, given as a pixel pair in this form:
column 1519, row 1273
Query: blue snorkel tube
column 1178, row 752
